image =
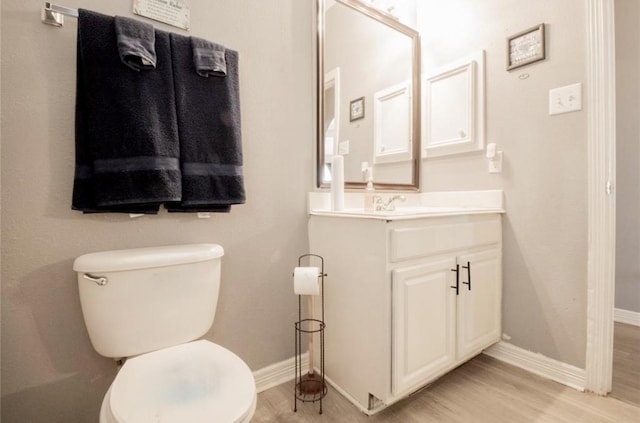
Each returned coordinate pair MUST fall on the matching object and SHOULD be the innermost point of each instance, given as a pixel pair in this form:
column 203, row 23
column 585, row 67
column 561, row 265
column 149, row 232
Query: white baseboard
column 549, row 368
column 278, row 373
column 626, row 316
column 566, row 374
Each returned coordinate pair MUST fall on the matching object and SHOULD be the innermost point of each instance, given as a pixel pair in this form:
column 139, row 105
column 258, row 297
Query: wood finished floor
column 626, row 363
column 482, row 390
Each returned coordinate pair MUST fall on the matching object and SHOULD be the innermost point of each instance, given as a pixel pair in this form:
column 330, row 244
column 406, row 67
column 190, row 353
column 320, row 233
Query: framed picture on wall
column 356, row 109
column 525, row 47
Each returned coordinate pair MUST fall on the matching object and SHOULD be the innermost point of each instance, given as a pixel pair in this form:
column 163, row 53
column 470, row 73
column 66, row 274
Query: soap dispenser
column 369, row 192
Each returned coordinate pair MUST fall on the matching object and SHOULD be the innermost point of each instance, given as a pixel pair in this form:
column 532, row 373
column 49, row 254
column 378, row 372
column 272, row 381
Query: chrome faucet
column 389, row 205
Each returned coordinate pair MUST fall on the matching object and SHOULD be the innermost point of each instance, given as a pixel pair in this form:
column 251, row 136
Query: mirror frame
column 395, row 24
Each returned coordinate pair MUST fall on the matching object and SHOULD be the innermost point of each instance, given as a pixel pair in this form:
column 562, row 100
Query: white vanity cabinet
column 394, row 321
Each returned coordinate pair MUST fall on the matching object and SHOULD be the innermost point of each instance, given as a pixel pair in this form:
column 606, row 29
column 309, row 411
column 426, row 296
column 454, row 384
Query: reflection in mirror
column 369, row 95
column 331, row 113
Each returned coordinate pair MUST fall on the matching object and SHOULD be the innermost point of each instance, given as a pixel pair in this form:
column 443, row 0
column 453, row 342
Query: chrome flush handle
column 99, row 280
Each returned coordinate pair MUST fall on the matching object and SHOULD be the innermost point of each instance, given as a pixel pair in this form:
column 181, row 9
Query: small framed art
column 526, row 47
column 356, row 109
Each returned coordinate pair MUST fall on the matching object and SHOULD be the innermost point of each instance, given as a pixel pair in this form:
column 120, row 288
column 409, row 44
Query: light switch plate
column 565, row 99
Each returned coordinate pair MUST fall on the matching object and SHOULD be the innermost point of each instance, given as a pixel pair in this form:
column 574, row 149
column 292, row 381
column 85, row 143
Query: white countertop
column 416, row 205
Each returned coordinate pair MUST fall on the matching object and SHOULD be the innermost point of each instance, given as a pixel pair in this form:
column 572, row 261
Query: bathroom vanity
column 410, row 295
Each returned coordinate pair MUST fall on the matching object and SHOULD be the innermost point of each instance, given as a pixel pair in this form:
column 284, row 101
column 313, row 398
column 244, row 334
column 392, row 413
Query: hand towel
column 136, row 43
column 208, row 112
column 127, row 152
column 208, row 58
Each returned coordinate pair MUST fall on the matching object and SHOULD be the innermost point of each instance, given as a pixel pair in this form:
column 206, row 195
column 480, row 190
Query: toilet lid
column 194, row 382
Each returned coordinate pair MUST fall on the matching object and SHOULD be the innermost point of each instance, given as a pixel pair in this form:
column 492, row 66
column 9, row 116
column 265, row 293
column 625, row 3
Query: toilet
column 150, row 306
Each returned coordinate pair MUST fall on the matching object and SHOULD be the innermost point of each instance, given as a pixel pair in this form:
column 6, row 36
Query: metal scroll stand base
column 310, row 386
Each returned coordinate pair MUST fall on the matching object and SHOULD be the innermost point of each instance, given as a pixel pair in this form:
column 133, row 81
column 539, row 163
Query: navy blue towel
column 127, row 152
column 208, row 112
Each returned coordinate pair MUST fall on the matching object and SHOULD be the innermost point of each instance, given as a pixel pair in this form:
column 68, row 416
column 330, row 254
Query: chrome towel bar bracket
column 52, row 14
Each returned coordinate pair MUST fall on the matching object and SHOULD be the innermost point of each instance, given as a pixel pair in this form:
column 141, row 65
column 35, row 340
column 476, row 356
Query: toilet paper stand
column 310, row 386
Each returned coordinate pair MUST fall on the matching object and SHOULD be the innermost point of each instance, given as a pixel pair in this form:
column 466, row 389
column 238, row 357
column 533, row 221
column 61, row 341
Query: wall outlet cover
column 495, row 165
column 343, row 147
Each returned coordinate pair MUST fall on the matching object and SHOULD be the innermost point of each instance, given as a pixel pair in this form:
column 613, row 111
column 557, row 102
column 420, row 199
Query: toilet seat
column 194, row 382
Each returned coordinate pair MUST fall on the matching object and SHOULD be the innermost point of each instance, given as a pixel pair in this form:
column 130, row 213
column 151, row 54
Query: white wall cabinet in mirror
column 392, row 124
column 453, row 114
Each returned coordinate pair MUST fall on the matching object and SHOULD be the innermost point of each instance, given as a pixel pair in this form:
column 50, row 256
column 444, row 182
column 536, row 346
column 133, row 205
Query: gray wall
column 50, row 372
column 627, row 14
column 544, row 172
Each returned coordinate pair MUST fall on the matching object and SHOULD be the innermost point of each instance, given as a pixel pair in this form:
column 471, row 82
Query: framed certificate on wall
column 176, row 12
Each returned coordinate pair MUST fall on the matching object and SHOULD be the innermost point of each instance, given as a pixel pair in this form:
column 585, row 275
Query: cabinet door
column 423, row 323
column 479, row 306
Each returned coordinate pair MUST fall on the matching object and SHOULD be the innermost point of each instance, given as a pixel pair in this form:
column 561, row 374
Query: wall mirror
column 368, row 96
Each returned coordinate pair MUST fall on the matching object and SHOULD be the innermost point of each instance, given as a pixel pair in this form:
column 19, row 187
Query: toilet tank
column 152, row 298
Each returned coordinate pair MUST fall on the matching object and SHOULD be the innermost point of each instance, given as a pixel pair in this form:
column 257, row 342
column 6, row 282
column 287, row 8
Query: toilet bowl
column 150, row 305
column 194, row 382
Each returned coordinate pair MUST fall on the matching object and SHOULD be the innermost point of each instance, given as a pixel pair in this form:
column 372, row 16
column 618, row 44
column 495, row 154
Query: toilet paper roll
column 305, row 281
